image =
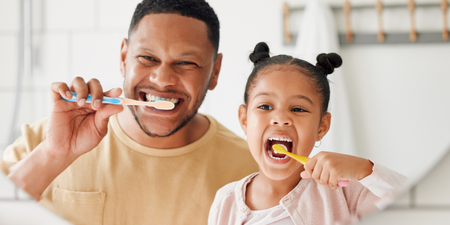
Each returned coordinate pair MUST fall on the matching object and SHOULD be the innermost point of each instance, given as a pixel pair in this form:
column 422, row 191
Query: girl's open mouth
column 286, row 142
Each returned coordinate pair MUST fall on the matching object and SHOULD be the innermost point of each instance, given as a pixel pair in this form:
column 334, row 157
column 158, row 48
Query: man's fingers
column 80, row 87
column 60, row 89
column 115, row 92
column 96, row 92
column 102, row 117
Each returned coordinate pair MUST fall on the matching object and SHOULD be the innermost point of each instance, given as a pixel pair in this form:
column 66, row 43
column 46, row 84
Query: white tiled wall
column 70, row 38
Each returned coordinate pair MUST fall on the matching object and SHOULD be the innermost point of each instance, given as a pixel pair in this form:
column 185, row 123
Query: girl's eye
column 265, row 107
column 298, row 110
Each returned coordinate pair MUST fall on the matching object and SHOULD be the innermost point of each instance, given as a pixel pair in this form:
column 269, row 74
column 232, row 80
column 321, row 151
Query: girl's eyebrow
column 296, row 96
column 262, row 93
column 304, row 97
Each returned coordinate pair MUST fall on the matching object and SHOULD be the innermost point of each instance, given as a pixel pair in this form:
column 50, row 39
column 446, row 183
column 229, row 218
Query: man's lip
column 162, row 94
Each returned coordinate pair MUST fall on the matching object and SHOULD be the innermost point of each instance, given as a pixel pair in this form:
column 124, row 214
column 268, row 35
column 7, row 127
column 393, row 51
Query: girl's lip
column 276, row 161
column 280, row 137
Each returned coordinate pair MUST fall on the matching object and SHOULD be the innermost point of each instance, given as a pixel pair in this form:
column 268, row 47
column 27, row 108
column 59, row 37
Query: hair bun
column 260, row 52
column 327, row 62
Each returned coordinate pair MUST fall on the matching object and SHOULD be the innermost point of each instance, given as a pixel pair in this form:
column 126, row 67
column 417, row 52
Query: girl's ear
column 243, row 117
column 324, row 126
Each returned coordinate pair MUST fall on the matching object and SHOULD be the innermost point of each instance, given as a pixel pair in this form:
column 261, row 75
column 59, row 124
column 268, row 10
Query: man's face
column 168, row 56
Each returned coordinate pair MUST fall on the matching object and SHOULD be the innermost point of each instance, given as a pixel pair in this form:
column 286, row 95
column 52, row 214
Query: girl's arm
column 327, row 168
column 385, row 183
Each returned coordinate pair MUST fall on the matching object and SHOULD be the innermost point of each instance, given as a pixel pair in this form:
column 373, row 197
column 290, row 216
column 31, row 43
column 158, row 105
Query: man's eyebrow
column 187, row 53
column 145, row 48
column 190, row 53
column 296, row 96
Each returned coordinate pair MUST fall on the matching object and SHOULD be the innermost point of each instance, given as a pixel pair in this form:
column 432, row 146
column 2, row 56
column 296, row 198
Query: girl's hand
column 327, row 168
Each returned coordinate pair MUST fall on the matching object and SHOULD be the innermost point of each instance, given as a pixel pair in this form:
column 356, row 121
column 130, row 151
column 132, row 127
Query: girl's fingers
column 324, row 177
column 309, row 166
column 80, row 87
column 333, row 181
column 96, row 92
column 317, row 172
column 304, row 175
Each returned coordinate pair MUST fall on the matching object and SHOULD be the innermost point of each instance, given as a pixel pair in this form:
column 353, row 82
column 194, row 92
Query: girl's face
column 283, row 108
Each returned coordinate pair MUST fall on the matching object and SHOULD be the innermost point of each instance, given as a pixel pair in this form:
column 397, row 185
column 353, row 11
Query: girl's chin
column 279, row 174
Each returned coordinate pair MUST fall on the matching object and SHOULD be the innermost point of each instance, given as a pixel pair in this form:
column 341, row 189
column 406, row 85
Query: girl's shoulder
column 236, row 188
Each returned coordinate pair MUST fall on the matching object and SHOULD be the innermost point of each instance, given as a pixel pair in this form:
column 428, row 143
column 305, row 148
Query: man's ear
column 243, row 117
column 215, row 71
column 324, row 126
column 123, row 56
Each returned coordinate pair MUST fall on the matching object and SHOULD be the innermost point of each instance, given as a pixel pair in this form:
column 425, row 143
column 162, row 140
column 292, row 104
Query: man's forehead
column 168, row 21
column 156, row 31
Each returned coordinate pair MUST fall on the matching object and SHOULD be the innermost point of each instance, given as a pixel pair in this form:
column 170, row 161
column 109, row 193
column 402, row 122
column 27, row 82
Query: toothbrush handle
column 107, row 100
column 343, row 183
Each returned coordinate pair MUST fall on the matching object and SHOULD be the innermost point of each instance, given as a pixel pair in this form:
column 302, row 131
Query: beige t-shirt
column 123, row 182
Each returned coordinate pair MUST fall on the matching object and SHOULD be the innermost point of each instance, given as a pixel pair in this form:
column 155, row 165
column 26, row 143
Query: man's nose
column 163, row 76
column 281, row 119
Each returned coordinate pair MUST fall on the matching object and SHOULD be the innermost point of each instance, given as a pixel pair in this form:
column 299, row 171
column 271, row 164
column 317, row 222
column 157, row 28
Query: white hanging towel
column 318, row 34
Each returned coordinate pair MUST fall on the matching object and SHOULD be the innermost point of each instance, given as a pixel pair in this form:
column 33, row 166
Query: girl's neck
column 264, row 193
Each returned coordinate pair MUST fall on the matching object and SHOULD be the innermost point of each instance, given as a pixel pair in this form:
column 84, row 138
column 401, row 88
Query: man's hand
column 73, row 129
column 76, row 128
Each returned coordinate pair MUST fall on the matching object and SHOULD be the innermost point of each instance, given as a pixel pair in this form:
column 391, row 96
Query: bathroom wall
column 398, row 93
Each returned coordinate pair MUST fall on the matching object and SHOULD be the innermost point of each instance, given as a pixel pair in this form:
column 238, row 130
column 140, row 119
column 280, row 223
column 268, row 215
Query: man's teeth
column 273, row 157
column 279, row 139
column 152, row 98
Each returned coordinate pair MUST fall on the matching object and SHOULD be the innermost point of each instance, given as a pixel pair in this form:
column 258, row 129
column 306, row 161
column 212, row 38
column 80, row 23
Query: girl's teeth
column 280, row 139
column 273, row 157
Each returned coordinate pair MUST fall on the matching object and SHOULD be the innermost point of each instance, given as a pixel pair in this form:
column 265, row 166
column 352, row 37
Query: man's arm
column 35, row 172
column 73, row 129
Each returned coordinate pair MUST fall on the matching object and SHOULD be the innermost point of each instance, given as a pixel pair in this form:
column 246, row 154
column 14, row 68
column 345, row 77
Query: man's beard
column 184, row 121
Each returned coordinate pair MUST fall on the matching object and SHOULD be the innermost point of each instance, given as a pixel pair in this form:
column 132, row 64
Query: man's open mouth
column 285, row 142
column 153, row 98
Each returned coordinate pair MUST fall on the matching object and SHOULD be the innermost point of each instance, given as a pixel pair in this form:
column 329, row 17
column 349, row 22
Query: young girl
column 286, row 101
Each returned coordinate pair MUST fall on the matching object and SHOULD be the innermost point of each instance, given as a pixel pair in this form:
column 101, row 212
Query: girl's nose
column 163, row 76
column 281, row 120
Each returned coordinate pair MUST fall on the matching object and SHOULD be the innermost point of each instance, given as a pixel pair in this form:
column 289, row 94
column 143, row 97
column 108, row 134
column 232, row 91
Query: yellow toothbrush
column 302, row 159
column 280, row 149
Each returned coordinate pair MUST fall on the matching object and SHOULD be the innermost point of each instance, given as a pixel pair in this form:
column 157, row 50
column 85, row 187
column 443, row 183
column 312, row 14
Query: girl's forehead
column 284, row 81
column 281, row 68
column 282, row 74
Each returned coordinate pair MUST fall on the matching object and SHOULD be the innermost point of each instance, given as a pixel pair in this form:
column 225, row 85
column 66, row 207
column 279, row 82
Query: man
column 107, row 164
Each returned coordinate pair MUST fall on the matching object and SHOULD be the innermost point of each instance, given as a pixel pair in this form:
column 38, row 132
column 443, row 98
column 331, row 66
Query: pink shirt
column 312, row 203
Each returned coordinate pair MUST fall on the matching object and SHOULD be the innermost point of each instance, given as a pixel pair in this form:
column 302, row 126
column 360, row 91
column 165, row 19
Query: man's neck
column 190, row 133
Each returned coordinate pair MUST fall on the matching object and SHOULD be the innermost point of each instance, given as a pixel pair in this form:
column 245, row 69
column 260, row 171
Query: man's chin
column 159, row 133
column 159, row 128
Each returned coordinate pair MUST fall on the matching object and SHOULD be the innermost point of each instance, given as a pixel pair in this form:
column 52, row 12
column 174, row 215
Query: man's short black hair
column 198, row 9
